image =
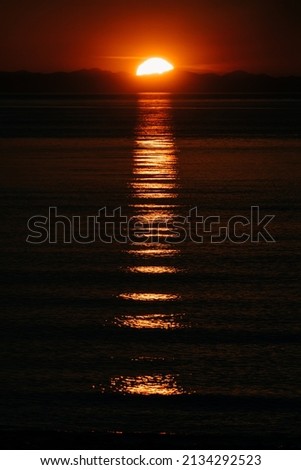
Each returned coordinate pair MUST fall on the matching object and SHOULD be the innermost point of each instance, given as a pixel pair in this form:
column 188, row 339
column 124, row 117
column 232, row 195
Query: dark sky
column 215, row 35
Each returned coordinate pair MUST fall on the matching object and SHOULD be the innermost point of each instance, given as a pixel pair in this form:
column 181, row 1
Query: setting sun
column 154, row 65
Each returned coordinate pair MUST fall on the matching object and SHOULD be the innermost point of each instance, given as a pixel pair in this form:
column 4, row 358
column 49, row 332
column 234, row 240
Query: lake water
column 150, row 335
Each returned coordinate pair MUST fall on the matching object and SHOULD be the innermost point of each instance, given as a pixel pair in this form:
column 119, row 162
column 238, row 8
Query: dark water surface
column 151, row 337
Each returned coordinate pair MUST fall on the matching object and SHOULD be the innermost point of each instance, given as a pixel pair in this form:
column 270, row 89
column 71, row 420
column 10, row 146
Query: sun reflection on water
column 154, row 195
column 160, row 321
column 148, row 296
column 153, row 200
column 143, row 185
column 153, row 269
column 155, row 172
column 157, row 384
column 154, row 253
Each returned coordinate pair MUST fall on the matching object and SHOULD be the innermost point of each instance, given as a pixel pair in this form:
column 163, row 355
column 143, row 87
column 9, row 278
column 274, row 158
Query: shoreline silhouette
column 99, row 81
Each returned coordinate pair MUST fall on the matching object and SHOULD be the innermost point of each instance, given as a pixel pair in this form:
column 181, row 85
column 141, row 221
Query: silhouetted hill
column 98, row 81
column 82, row 81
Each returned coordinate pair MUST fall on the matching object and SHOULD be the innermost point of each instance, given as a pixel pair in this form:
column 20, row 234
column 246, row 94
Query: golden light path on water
column 154, row 188
column 153, row 202
column 152, row 269
column 154, row 253
column 157, row 384
column 148, row 296
column 160, row 321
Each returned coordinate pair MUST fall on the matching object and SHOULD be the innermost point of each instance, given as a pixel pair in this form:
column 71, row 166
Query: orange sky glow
column 202, row 35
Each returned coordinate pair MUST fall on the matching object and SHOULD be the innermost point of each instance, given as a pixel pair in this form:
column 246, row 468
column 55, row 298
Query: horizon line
column 176, row 69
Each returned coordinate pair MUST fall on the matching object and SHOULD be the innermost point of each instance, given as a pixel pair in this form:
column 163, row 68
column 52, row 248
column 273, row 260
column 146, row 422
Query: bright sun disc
column 154, row 65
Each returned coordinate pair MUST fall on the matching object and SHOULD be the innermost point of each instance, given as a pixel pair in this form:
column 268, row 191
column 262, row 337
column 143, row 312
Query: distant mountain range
column 98, row 81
